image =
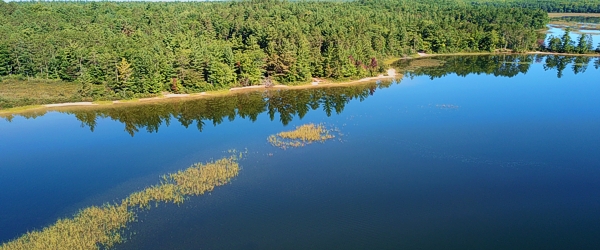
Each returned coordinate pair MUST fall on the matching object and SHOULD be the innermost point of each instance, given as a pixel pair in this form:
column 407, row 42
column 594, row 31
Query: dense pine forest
column 124, row 49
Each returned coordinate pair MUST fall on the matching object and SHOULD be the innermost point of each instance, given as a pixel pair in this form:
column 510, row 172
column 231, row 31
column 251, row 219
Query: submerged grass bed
column 301, row 136
column 102, row 227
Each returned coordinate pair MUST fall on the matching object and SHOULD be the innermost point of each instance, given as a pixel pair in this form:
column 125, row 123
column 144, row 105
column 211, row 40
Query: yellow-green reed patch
column 102, row 227
column 20, row 109
column 90, row 228
column 573, row 14
column 301, row 136
column 103, row 102
column 196, row 180
column 426, row 63
column 391, row 60
column 129, row 100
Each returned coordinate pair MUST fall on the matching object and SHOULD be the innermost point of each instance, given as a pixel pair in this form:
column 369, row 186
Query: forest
column 117, row 50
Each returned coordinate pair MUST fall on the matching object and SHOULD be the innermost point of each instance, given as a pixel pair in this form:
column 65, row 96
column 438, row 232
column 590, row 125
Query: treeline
column 499, row 65
column 567, row 6
column 126, row 48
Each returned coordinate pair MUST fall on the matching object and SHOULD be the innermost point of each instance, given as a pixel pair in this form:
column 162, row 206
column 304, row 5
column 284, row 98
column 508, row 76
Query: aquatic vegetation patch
column 90, row 228
column 102, row 227
column 426, row 63
column 301, row 136
column 196, row 180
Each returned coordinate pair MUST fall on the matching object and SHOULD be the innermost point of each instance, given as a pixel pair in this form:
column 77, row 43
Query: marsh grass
column 15, row 92
column 391, row 60
column 196, row 180
column 102, row 227
column 90, row 228
column 576, row 21
column 551, row 15
column 301, row 136
column 129, row 100
column 426, row 63
column 20, row 108
column 103, row 102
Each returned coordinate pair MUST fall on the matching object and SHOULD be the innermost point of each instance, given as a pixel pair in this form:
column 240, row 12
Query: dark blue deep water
column 481, row 153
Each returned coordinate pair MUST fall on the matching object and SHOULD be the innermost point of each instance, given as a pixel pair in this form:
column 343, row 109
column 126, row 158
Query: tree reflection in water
column 286, row 104
column 504, row 65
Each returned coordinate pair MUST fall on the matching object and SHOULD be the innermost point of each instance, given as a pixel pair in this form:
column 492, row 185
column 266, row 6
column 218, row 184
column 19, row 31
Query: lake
column 470, row 152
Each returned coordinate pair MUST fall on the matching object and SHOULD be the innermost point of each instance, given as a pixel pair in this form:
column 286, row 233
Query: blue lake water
column 480, row 153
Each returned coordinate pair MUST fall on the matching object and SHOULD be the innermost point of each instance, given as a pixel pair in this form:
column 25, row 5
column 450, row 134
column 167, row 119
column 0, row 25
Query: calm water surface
column 480, row 153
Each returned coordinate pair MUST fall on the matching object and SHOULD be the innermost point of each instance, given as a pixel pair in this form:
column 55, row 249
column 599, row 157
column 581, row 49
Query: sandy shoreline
column 316, row 83
column 70, row 104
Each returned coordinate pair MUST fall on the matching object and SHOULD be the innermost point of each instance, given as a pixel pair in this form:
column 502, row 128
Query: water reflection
column 286, row 104
column 497, row 65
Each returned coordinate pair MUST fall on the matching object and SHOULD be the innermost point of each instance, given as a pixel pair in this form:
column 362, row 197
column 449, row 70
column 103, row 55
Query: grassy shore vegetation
column 577, row 21
column 551, row 6
column 103, row 227
column 18, row 92
column 557, row 15
column 301, row 136
column 126, row 49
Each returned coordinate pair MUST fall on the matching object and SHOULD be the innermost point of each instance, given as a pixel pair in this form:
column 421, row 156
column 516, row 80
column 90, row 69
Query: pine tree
column 584, row 45
column 86, row 83
column 124, row 73
column 568, row 45
column 4, row 60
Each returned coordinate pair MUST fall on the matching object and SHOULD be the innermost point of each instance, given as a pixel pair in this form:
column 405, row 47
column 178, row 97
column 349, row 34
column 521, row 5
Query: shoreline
column 316, row 83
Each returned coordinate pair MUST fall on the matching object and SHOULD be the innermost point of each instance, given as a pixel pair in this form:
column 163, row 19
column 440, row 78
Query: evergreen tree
column 567, row 44
column 68, row 65
column 4, row 60
column 86, row 83
column 124, row 73
column 583, row 44
column 554, row 44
